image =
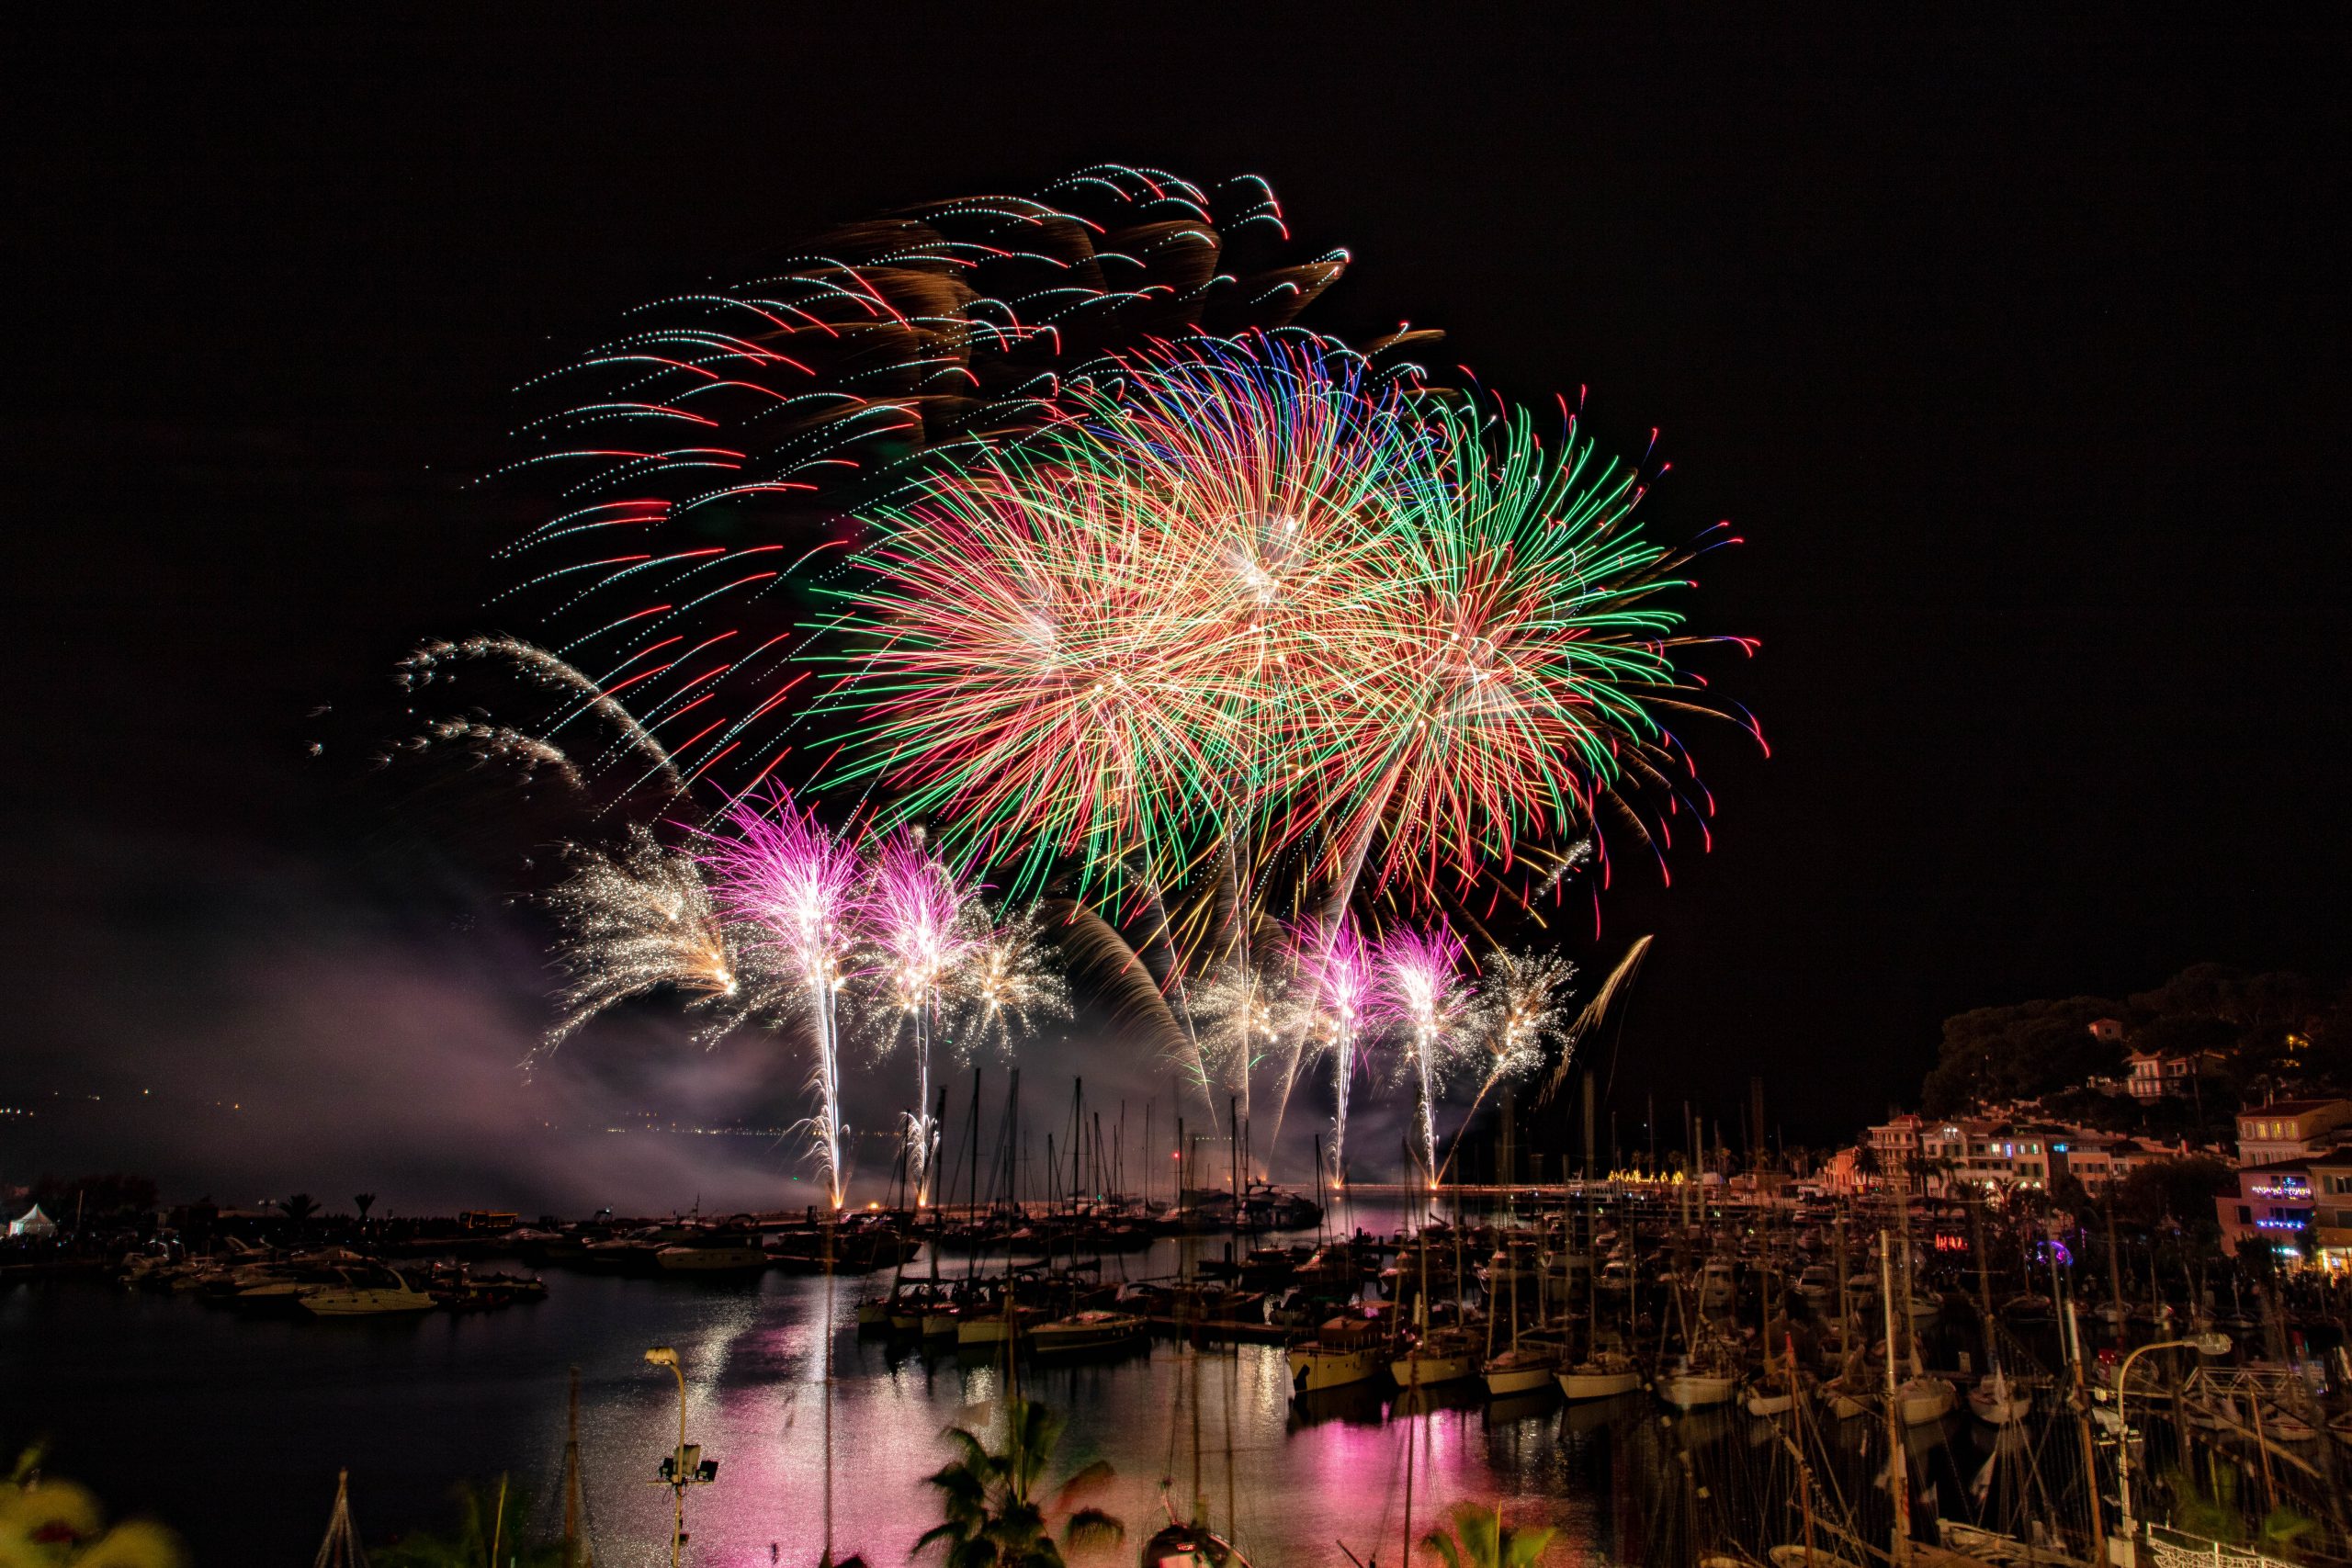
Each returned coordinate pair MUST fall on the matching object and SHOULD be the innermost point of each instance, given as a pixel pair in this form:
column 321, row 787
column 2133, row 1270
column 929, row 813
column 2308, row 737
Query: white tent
column 35, row 1223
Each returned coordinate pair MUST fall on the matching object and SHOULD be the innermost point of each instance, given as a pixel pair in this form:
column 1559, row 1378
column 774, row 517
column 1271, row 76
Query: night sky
column 2017, row 357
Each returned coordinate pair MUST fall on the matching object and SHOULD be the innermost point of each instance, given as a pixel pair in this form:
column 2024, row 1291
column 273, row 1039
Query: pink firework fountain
column 1336, row 987
column 782, row 871
column 922, row 921
column 1421, row 998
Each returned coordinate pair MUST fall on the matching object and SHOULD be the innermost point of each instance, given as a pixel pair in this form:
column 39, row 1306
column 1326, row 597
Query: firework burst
column 1333, row 1000
column 921, row 920
column 783, row 872
column 1421, row 998
column 1040, row 516
column 1518, row 1017
column 636, row 920
column 1006, row 984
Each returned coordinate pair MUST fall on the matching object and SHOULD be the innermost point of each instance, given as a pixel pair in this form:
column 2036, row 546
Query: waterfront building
column 1895, row 1144
column 2272, row 1207
column 2099, row 1161
column 2291, row 1130
column 2331, row 1184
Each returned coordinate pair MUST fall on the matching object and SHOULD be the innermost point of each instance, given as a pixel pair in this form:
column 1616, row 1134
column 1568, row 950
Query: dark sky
column 2017, row 355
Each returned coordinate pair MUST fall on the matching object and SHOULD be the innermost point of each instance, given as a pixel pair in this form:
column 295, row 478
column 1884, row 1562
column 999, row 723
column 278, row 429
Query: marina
column 1657, row 1371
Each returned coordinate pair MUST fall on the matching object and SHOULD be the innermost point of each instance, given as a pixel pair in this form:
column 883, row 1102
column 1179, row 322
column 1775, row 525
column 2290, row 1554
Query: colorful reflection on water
column 232, row 1428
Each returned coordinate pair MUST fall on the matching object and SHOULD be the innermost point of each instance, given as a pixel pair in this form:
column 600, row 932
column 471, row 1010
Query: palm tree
column 299, row 1208
column 1481, row 1539
column 994, row 1518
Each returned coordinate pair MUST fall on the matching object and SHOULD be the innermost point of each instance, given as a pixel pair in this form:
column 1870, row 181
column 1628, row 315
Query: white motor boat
column 1770, row 1398
column 727, row 1258
column 1605, row 1376
column 365, row 1295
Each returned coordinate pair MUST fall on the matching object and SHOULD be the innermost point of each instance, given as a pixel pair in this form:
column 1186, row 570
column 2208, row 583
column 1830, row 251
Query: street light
column 686, row 1467
column 2214, row 1344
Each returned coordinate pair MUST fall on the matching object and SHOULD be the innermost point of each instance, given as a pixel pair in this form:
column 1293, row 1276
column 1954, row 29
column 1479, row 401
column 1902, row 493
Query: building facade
column 2289, row 1130
column 2272, row 1207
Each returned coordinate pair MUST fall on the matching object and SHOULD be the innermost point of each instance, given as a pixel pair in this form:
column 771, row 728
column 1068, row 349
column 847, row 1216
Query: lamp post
column 2209, row 1344
column 686, row 1467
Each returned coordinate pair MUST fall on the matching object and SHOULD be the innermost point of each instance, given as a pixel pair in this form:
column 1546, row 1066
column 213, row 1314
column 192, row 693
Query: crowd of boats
column 334, row 1281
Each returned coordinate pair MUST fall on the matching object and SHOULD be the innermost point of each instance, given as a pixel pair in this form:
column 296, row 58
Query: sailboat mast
column 573, row 1554
column 1898, row 1474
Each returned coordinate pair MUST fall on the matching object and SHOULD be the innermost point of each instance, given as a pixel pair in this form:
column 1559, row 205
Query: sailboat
column 1603, row 1373
column 1992, row 1401
column 1438, row 1355
column 1705, row 1373
column 1533, row 1358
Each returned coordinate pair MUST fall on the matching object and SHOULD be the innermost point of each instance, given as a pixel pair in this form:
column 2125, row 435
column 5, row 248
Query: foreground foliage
column 1479, row 1539
column 47, row 1523
column 994, row 1514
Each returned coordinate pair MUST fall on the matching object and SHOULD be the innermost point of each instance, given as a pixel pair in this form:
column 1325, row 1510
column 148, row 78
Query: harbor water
column 231, row 1428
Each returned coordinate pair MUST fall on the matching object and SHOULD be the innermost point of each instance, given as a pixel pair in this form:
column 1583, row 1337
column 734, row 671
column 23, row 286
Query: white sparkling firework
column 638, row 920
column 1006, row 984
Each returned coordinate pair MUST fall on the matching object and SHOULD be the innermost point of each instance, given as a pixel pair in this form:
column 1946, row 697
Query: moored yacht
column 1532, row 1364
column 1604, row 1376
column 1344, row 1350
column 1997, row 1401
column 1444, row 1354
column 1086, row 1331
column 364, row 1294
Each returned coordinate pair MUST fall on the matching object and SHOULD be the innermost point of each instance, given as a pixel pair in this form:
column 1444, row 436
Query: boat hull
column 1924, row 1401
column 711, row 1259
column 365, row 1303
column 985, row 1330
column 1695, row 1391
column 1998, row 1408
column 1423, row 1372
column 1504, row 1381
column 1599, row 1385
column 1314, row 1368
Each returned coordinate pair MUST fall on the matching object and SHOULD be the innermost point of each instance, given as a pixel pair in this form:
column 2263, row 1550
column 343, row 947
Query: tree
column 1479, row 1539
column 2015, row 1053
column 993, row 1517
column 2178, row 1191
column 299, row 1208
